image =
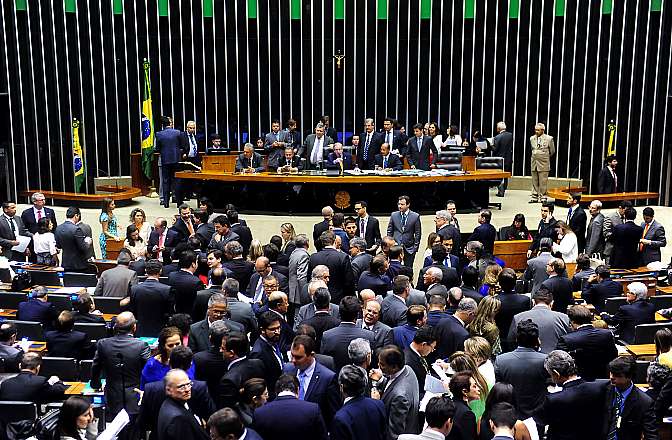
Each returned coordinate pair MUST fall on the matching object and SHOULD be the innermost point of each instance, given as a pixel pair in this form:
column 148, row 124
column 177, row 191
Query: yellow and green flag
column 147, row 126
column 77, row 157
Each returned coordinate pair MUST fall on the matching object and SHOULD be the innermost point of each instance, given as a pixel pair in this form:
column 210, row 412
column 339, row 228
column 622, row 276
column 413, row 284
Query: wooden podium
column 113, row 248
column 513, row 253
column 468, row 163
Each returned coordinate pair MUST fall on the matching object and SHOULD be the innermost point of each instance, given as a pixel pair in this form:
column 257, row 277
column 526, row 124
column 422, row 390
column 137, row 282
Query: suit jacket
column 563, row 292
column 393, row 161
column 630, row 316
column 625, row 254
column 419, row 158
column 155, row 394
column 71, row 240
column 380, row 284
column 288, row 417
column 347, row 161
column 209, row 366
column 592, row 349
column 382, row 334
column 116, row 282
column 450, row 336
column 512, row 304
column 610, row 222
column 536, row 270
column 393, row 311
column 464, row 422
column 244, row 236
column 178, row 423
column 408, row 236
column 341, row 282
column 503, row 147
column 299, row 260
column 605, row 182
column 398, row 142
column 232, row 381
column 308, row 311
column 595, row 235
column 307, row 149
column 402, row 399
column 449, row 279
column 638, row 419
column 171, row 240
column 335, row 342
column 275, row 154
column 263, row 351
column 255, row 162
column 27, row 386
column 110, row 354
column 12, row 357
column 575, row 412
column 524, row 369
column 152, row 303
column 38, row 311
column 204, row 232
column 294, row 163
column 486, row 234
column 170, row 144
column 371, row 231
column 577, row 222
column 403, row 335
column 542, row 150
column 373, row 149
column 597, row 293
column 360, row 263
column 414, row 361
column 30, row 222
column 254, row 281
column 450, row 231
column 185, row 286
column 323, row 389
column 361, row 418
column 199, row 333
column 552, row 326
column 656, row 233
column 321, row 322
column 544, row 230
column 72, row 344
column 242, row 271
column 241, row 312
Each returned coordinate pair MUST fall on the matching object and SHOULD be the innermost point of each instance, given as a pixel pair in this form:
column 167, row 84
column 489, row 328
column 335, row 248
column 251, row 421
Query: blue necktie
column 385, row 162
column 569, row 215
column 403, row 221
column 302, row 388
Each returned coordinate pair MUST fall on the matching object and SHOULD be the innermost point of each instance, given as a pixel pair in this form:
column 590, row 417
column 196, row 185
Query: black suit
column 71, row 239
column 393, row 161
column 578, row 222
column 638, row 419
column 597, row 293
column 7, row 235
column 335, row 342
column 449, row 278
column 605, row 182
column 209, row 366
column 373, row 149
column 464, row 422
column 242, row 271
column 592, row 349
column 254, row 281
column 199, row 333
column 72, row 344
column 486, row 234
column 289, row 418
column 30, row 222
column 185, row 286
column 178, row 423
column 341, row 282
column 232, row 381
column 450, row 337
column 544, row 230
column 630, row 316
column 512, row 304
column 321, row 322
column 155, row 394
column 625, row 254
column 152, row 303
column 563, row 292
column 244, row 236
column 171, row 240
column 420, row 369
column 318, row 229
column 116, row 356
column 295, row 162
column 263, row 351
column 30, row 387
column 371, row 231
column 420, row 158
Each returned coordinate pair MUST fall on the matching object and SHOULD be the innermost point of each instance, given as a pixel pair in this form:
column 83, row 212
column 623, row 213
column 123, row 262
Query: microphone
column 120, row 358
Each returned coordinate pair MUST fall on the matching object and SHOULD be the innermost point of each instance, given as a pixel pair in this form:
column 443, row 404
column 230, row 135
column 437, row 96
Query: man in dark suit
column 599, row 287
column 243, row 231
column 607, row 181
column 415, row 355
column 151, row 302
column 241, row 268
column 503, row 147
column 418, row 150
column 368, row 227
column 210, row 365
column 577, row 219
column 577, row 411
column 404, row 226
column 161, row 238
column 339, row 159
column 371, row 321
column 37, row 308
column 449, row 233
column 322, row 320
column 28, row 385
column 154, row 395
column 637, row 311
column 512, row 304
column 341, row 282
column 592, row 348
column 240, row 369
column 314, row 148
column 64, row 342
column 120, row 359
column 227, row 424
column 239, row 311
column 370, row 142
column 560, row 286
column 38, row 211
column 288, row 163
column 289, row 417
column 256, row 289
column 184, row 225
column 451, row 332
column 73, row 243
column 11, row 353
column 625, row 254
column 361, row 417
column 184, row 283
column 374, row 278
column 387, row 161
column 629, row 412
column 11, row 226
column 393, row 307
column 170, row 145
column 203, row 230
column 449, row 277
column 335, row 341
column 653, row 238
column 485, row 232
column 317, row 383
column 395, row 138
column 267, row 348
column 323, row 226
column 177, row 420
column 248, row 161
column 274, row 145
column 546, row 228
column 199, row 332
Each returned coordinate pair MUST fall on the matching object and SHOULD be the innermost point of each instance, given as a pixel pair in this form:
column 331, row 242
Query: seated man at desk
column 248, row 161
column 339, row 159
column 387, row 161
column 289, row 164
column 216, row 146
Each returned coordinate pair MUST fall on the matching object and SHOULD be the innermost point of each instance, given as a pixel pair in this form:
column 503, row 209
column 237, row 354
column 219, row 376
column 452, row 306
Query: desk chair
column 11, row 300
column 612, row 305
column 75, row 279
column 661, row 301
column 644, row 332
column 94, row 331
column 65, row 368
column 15, row 411
column 60, row 301
column 29, row 329
column 44, row 278
column 108, row 304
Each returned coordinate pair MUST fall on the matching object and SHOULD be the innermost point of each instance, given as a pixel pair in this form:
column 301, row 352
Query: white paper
column 434, row 385
column 69, row 290
column 23, row 243
column 482, row 145
column 114, row 428
column 451, row 142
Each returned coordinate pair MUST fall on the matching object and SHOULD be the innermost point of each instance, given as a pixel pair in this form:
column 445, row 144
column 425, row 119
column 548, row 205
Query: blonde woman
column 256, row 250
column 139, row 219
column 479, row 349
column 484, row 322
column 460, row 362
column 288, row 235
column 568, row 245
column 490, row 284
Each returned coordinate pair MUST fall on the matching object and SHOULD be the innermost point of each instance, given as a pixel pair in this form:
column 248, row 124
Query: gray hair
column 540, row 125
column 319, row 125
column 597, row 204
column 561, row 363
column 475, row 247
column 638, row 289
column 353, row 380
column 319, row 271
column 315, row 284
column 327, row 211
column 467, row 305
column 35, row 196
column 170, row 374
column 301, row 241
column 656, row 375
column 230, row 287
column 217, row 298
column 444, row 215
column 501, row 125
column 359, row 243
column 435, row 273
column 234, row 248
column 358, row 350
column 248, row 146
column 368, row 121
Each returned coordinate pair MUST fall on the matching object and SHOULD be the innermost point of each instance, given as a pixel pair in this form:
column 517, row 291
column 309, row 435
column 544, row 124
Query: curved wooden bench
column 561, row 194
column 117, row 193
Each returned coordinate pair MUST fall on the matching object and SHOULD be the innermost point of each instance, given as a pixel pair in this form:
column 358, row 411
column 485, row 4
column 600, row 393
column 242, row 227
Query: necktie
column 11, row 223
column 340, row 162
column 278, row 352
column 424, row 363
column 366, row 146
column 385, row 162
column 646, row 229
column 193, row 146
column 419, row 144
column 569, row 215
column 260, row 290
column 613, row 173
column 302, row 388
column 615, row 422
column 161, row 240
column 446, row 262
column 361, row 228
column 403, row 221
column 39, row 215
column 316, row 151
column 388, row 138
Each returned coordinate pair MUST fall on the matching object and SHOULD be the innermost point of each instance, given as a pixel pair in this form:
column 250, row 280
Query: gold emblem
column 342, row 199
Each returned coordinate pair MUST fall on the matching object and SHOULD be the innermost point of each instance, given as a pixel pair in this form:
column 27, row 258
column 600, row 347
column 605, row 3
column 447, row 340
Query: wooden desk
column 11, row 314
column 513, row 253
column 561, row 194
column 661, row 318
column 75, row 388
column 38, row 347
column 641, row 350
column 667, row 290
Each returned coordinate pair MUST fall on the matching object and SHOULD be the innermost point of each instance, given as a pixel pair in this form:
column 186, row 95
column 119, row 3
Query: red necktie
column 160, row 241
column 39, row 215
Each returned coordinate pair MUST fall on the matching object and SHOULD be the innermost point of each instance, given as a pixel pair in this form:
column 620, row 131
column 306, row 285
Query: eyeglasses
column 184, row 386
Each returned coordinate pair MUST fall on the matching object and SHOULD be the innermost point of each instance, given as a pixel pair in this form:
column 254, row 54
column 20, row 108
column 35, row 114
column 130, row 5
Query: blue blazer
column 169, row 143
column 486, row 234
column 403, row 335
column 288, row 417
column 323, row 389
column 454, row 261
column 362, row 418
column 347, row 161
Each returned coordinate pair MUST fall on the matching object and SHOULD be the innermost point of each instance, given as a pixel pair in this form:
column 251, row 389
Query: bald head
column 314, row 285
column 177, row 385
column 125, row 323
column 367, row 295
column 327, row 212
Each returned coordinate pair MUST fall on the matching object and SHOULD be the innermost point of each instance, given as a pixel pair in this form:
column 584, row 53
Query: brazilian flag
column 77, row 157
column 147, row 126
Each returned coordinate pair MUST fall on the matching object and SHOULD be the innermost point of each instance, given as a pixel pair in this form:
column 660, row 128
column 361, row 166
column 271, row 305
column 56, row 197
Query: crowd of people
column 275, row 341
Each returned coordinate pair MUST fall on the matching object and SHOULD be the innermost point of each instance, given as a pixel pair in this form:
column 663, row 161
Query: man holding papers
column 13, row 233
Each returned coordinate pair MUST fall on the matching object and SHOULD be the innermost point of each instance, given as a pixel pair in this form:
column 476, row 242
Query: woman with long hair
column 461, row 362
column 139, row 219
column 502, row 393
column 490, row 284
column 567, row 245
column 663, row 341
column 518, row 230
column 253, row 395
column 44, row 243
column 432, row 239
column 76, row 420
column 484, row 322
column 108, row 221
column 256, row 250
column 434, row 132
column 453, row 138
column 480, row 349
column 134, row 242
column 288, row 234
column 157, row 366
